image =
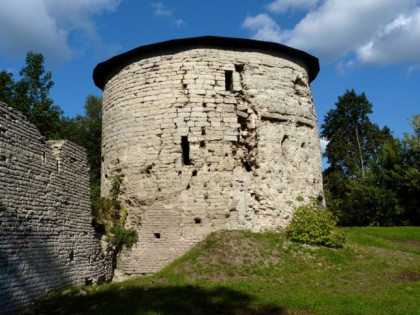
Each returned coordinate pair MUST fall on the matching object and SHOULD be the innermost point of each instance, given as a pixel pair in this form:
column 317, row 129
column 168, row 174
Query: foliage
column 30, row 95
column 400, row 170
column 312, row 225
column 373, row 179
column 353, row 139
column 121, row 235
column 375, row 273
column 412, row 141
column 86, row 131
column 109, row 213
column 7, row 88
column 368, row 204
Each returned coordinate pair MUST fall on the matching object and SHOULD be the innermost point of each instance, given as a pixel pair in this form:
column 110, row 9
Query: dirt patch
column 407, row 242
column 408, row 276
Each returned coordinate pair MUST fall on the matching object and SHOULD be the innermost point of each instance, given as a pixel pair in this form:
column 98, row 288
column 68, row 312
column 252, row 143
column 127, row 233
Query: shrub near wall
column 315, row 226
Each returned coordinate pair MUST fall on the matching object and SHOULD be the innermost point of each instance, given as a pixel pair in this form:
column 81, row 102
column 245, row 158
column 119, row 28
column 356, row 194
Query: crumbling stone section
column 46, row 237
column 208, row 133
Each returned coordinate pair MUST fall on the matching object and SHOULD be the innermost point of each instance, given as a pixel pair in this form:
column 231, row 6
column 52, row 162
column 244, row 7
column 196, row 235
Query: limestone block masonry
column 208, row 133
column 46, row 237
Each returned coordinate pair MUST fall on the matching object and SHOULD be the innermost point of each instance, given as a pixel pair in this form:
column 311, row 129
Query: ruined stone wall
column 208, row 139
column 46, row 237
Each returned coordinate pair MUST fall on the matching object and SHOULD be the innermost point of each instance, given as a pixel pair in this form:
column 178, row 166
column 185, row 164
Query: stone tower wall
column 46, row 237
column 207, row 139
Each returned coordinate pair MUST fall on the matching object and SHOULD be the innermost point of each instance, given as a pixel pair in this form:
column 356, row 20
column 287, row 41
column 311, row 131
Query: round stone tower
column 207, row 133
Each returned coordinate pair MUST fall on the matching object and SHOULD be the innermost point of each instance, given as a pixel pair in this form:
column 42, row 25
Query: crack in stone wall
column 47, row 241
column 247, row 123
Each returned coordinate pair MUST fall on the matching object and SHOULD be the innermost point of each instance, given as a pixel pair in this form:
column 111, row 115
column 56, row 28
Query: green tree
column 352, row 186
column 91, row 125
column 408, row 173
column 7, row 87
column 30, row 95
column 353, row 139
column 411, row 143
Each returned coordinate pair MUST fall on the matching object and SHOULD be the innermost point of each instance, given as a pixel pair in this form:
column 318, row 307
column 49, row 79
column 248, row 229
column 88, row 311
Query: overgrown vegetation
column 108, row 212
column 314, row 225
column 239, row 272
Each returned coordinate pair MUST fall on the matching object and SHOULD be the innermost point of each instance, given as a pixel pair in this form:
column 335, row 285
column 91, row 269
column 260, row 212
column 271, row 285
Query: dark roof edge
column 103, row 70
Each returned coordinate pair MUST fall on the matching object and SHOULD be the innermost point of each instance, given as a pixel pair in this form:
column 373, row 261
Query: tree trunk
column 360, row 154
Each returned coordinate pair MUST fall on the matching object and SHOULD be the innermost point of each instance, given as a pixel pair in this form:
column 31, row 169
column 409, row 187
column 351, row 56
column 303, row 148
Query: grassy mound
column 238, row 272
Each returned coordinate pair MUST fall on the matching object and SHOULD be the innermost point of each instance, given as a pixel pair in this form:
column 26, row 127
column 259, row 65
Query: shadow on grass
column 156, row 300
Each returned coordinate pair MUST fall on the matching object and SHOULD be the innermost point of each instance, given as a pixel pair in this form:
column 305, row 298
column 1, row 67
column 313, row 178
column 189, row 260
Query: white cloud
column 363, row 31
column 45, row 25
column 264, row 28
column 178, row 22
column 399, row 41
column 280, row 6
column 161, row 10
column 324, row 142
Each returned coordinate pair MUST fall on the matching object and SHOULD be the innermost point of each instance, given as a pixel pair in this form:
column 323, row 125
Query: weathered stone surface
column 229, row 142
column 46, row 237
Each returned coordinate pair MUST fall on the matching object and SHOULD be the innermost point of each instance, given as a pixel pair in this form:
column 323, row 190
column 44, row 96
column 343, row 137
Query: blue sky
column 372, row 46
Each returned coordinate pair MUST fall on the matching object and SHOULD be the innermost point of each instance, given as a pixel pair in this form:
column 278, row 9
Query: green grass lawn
column 239, row 272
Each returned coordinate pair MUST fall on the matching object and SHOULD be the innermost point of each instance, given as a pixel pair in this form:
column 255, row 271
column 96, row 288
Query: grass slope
column 239, row 272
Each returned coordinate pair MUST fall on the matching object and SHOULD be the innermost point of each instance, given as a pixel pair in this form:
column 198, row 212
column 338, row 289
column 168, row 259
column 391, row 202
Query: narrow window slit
column 157, row 235
column 197, row 220
column 239, row 67
column 185, row 145
column 228, row 80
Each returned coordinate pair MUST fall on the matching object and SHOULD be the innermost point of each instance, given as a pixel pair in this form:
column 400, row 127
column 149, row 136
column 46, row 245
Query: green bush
column 103, row 211
column 109, row 213
column 311, row 225
column 122, row 236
